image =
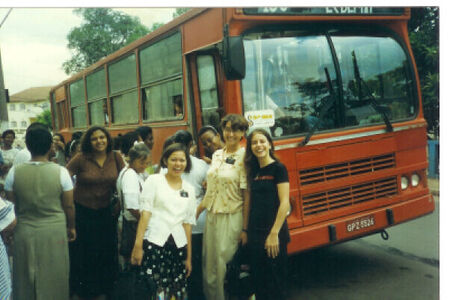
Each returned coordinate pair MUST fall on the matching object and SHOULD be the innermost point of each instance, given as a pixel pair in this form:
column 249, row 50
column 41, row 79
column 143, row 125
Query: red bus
column 337, row 87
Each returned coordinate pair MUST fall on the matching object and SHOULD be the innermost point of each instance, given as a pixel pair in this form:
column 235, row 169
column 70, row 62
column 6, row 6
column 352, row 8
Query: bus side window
column 208, row 90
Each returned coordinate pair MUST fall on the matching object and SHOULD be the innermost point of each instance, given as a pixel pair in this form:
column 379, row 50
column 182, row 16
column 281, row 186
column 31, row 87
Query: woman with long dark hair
column 268, row 233
column 94, row 255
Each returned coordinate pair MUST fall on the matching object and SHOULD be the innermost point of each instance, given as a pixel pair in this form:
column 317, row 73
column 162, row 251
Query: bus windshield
column 294, row 73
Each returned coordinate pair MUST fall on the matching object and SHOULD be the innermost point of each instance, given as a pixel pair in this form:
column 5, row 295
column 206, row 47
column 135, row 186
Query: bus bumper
column 358, row 225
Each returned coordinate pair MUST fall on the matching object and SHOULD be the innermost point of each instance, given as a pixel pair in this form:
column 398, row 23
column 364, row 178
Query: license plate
column 360, row 223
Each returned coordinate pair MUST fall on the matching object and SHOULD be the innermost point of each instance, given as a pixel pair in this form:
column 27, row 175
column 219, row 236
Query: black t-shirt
column 265, row 202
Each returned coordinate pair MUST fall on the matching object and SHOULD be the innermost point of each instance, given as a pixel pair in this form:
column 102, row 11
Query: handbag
column 237, row 277
column 131, row 285
column 128, row 237
column 114, row 195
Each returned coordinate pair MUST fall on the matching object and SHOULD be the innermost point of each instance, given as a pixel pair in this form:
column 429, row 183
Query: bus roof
column 143, row 40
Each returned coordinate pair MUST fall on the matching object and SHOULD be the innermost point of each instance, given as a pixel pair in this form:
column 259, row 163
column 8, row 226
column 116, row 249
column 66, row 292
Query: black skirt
column 165, row 267
column 269, row 275
column 93, row 255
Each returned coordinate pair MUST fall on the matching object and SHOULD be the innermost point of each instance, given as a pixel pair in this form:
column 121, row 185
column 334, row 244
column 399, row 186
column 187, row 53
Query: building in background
column 23, row 109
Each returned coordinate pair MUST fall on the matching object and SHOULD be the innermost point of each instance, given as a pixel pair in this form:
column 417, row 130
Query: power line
column 6, row 16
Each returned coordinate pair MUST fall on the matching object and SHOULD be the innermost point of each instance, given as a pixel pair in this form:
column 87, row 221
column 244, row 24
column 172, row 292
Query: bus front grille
column 345, row 169
column 348, row 196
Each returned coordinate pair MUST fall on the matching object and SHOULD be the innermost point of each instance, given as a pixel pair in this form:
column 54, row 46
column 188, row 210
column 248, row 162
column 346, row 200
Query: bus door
column 206, row 101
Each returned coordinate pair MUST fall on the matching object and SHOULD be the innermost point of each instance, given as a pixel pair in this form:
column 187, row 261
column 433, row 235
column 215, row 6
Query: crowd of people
column 75, row 214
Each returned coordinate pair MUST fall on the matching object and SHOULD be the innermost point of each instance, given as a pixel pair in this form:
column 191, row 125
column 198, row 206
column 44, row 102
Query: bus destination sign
column 331, row 10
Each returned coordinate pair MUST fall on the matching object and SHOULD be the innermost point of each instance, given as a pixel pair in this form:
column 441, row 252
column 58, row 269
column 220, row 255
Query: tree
column 424, row 36
column 156, row 25
column 45, row 118
column 103, row 32
column 179, row 11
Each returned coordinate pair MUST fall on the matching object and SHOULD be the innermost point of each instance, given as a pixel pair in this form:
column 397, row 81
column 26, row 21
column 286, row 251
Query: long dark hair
column 86, row 146
column 250, row 161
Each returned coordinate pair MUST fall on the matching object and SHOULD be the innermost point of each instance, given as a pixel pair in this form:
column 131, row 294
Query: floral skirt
column 165, row 266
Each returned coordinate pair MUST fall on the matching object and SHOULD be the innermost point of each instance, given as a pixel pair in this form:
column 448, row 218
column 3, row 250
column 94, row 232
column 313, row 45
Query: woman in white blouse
column 129, row 186
column 163, row 239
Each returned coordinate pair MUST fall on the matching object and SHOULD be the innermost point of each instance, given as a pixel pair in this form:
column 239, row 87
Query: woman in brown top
column 93, row 256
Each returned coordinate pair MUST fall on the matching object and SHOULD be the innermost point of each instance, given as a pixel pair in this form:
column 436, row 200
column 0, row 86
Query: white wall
column 22, row 114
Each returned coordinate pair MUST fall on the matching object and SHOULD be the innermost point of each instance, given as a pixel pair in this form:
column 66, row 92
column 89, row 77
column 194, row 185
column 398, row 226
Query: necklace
column 228, row 153
column 229, row 157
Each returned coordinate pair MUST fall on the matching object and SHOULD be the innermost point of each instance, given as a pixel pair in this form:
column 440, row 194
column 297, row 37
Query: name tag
column 230, row 160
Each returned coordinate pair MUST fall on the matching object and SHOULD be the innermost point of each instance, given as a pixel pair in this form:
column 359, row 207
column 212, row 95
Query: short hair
column 144, row 131
column 174, row 148
column 207, row 128
column 8, row 131
column 86, row 146
column 184, row 137
column 38, row 141
column 169, row 141
column 77, row 135
column 238, row 122
column 61, row 137
column 138, row 151
column 73, row 146
column 127, row 141
column 37, row 124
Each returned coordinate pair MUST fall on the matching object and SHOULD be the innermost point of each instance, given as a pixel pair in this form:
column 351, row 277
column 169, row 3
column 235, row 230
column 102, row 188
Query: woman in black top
column 268, row 233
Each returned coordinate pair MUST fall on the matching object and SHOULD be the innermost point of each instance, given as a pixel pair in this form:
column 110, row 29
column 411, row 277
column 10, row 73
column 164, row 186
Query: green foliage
column 103, row 32
column 156, row 25
column 179, row 11
column 45, row 118
column 424, row 36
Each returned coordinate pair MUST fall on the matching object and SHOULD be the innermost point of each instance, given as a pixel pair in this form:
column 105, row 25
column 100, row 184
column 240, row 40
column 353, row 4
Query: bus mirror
column 233, row 57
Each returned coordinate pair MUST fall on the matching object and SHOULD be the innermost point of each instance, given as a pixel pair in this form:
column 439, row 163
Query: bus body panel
column 318, row 235
column 343, row 179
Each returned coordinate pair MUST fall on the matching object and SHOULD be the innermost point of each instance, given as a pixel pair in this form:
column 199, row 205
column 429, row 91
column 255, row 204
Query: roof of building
column 31, row 94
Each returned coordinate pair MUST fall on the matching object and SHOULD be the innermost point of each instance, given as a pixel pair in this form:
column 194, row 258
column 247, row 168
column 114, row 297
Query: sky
column 33, row 43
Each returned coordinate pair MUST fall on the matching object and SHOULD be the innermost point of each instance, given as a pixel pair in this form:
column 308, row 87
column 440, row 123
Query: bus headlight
column 405, row 183
column 415, row 179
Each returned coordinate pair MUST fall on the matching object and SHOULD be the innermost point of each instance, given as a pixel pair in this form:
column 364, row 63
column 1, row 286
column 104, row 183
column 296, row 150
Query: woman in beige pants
column 226, row 200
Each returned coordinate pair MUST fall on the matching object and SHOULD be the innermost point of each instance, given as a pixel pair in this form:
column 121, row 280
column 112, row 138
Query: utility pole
column 3, row 109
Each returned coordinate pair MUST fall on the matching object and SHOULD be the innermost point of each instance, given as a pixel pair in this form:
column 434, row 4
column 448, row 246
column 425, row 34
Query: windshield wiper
column 323, row 110
column 372, row 99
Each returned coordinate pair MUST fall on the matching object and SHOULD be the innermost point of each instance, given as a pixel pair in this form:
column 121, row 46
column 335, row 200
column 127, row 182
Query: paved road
column 404, row 267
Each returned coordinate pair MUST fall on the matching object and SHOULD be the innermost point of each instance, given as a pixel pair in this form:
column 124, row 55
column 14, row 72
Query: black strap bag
column 237, row 278
column 128, row 237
